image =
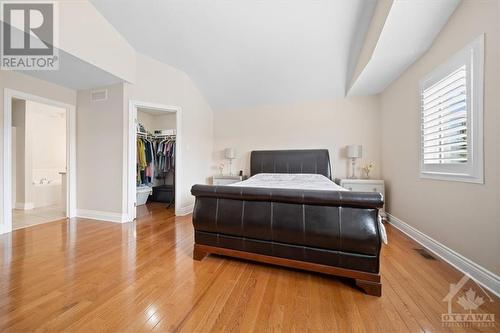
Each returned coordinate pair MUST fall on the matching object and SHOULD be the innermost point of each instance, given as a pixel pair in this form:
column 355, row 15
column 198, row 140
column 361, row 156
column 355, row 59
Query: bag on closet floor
column 163, row 193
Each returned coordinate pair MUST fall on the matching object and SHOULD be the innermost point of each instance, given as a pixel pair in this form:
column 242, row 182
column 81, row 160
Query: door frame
column 9, row 94
column 130, row 196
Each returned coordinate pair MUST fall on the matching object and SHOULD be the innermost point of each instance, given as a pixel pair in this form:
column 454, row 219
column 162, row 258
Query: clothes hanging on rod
column 166, row 154
column 155, row 157
column 145, row 160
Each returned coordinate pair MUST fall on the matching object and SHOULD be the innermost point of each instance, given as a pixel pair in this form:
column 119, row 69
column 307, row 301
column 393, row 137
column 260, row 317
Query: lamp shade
column 230, row 153
column 354, row 151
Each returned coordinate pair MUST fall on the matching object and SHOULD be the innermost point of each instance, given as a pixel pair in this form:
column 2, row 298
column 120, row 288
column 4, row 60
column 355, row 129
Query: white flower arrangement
column 221, row 167
column 367, row 168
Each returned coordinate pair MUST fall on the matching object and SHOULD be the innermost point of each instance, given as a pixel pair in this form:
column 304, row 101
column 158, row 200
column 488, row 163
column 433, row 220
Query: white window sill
column 452, row 177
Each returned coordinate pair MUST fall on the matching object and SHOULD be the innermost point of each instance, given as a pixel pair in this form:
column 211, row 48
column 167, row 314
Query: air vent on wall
column 99, row 95
column 424, row 253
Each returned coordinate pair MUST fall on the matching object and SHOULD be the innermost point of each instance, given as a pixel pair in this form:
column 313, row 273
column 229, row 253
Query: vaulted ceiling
column 246, row 53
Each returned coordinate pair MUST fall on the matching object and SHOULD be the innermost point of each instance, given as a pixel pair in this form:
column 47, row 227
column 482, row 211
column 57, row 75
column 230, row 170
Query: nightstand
column 226, row 179
column 364, row 185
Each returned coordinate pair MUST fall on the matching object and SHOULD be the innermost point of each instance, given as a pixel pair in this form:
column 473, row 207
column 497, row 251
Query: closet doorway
column 39, row 159
column 154, row 152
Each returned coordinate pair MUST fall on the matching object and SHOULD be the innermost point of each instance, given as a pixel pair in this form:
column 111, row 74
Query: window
column 452, row 117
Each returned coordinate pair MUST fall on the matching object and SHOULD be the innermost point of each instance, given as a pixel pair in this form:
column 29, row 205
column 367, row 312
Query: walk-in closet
column 156, row 157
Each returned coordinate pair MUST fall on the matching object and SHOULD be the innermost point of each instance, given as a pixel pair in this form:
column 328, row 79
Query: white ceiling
column 155, row 112
column 408, row 32
column 245, row 53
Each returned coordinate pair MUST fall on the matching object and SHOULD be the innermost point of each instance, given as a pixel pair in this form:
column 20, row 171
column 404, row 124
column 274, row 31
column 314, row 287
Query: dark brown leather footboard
column 333, row 232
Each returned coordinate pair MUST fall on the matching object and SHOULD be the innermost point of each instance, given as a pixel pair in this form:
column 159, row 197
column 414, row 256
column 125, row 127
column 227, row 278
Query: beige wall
column 463, row 216
column 154, row 122
column 145, row 120
column 13, row 166
column 99, row 156
column 46, row 136
column 18, row 148
column 162, row 84
column 45, row 153
column 331, row 125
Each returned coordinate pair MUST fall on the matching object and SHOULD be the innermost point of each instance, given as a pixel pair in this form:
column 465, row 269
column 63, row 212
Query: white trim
column 102, row 216
column 183, row 211
column 479, row 274
column 472, row 56
column 24, row 205
column 7, row 163
column 451, row 177
column 130, row 151
column 71, row 162
column 9, row 94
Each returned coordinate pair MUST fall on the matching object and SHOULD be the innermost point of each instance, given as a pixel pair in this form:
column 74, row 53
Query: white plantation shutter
column 451, row 100
column 444, row 119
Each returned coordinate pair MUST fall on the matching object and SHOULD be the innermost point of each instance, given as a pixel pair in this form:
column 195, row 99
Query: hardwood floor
column 91, row 276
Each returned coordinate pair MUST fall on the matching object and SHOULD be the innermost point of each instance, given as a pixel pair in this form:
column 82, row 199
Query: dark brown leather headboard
column 291, row 161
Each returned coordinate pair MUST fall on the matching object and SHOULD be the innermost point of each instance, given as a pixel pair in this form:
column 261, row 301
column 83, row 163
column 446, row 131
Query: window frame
column 472, row 56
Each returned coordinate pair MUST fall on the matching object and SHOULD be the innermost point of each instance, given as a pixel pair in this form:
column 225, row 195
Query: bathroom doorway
column 39, row 157
column 38, row 163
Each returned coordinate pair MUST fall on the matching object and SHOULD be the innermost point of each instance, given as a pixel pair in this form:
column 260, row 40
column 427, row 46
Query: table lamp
column 354, row 152
column 230, row 154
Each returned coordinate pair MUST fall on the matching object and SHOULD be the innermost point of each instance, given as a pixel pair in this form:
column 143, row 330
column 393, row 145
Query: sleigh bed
column 290, row 213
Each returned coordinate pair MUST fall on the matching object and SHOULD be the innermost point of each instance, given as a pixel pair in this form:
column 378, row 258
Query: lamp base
column 353, row 172
column 230, row 166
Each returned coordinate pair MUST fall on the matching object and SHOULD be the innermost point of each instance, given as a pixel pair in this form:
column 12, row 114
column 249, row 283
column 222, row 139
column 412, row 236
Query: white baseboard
column 183, row 211
column 481, row 275
column 102, row 216
column 24, row 205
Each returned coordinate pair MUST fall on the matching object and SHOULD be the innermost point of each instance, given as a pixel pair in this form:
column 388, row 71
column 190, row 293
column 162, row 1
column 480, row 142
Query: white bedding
column 299, row 181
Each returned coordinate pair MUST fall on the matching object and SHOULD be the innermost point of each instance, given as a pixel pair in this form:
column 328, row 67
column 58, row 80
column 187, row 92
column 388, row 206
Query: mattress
column 298, row 181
